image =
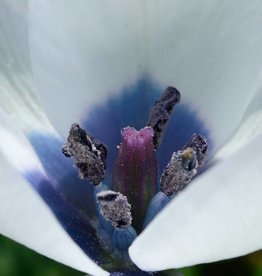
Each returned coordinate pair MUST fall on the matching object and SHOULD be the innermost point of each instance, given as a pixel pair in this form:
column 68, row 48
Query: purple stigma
column 135, row 172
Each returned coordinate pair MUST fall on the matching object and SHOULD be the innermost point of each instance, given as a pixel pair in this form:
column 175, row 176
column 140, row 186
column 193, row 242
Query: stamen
column 177, row 175
column 115, row 208
column 183, row 165
column 87, row 153
column 161, row 113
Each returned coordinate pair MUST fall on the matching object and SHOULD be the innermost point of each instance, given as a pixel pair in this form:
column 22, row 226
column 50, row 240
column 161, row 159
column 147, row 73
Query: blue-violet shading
column 74, row 201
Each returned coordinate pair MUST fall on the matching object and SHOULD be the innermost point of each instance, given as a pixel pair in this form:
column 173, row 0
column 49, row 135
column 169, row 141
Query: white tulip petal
column 217, row 217
column 17, row 94
column 212, row 52
column 250, row 126
column 82, row 51
column 16, row 148
column 25, row 218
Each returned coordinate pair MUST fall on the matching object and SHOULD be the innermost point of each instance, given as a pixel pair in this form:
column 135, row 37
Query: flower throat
column 135, row 195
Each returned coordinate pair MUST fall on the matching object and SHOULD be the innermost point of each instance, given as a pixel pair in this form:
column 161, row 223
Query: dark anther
column 87, row 153
column 115, row 208
column 161, row 112
column 184, row 165
column 176, row 176
column 199, row 144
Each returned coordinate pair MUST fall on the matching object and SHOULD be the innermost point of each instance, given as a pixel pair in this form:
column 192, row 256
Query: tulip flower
column 103, row 64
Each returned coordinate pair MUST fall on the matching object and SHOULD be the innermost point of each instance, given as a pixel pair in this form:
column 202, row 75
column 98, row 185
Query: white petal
column 250, row 126
column 212, row 52
column 217, row 217
column 25, row 218
column 17, row 95
column 16, row 148
column 82, row 51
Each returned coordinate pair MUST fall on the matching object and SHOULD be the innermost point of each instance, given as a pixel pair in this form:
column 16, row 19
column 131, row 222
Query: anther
column 115, row 208
column 177, row 173
column 161, row 113
column 87, row 153
column 184, row 165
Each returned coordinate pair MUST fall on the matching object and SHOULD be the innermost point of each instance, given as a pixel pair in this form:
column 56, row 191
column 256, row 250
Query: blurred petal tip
column 133, row 196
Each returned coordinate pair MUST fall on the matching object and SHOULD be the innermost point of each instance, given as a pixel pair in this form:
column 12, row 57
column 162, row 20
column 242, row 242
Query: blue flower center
column 74, row 201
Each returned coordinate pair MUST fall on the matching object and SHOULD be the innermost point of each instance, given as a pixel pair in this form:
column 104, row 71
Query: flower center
column 134, row 197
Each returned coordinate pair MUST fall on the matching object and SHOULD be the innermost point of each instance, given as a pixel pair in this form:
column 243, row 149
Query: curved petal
column 17, row 94
column 250, row 126
column 217, row 217
column 16, row 148
column 24, row 217
column 52, row 176
column 210, row 50
column 83, row 51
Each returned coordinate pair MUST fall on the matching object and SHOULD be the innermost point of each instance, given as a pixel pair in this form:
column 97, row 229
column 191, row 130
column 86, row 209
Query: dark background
column 16, row 260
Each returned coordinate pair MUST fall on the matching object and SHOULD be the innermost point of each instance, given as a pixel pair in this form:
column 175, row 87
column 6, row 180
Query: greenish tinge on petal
column 216, row 218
